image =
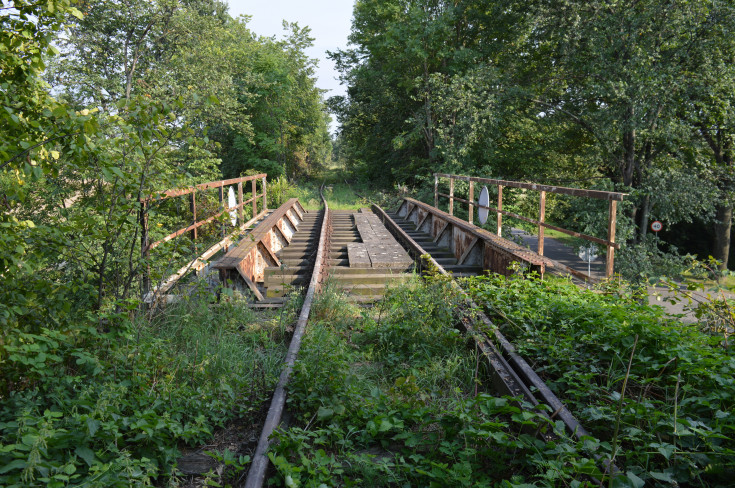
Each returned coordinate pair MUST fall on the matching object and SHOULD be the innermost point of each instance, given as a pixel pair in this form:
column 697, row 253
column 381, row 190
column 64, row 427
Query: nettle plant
column 392, row 396
column 662, row 392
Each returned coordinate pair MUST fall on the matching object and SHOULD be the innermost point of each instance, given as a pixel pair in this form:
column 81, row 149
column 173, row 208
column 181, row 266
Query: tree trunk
column 723, row 227
column 645, row 216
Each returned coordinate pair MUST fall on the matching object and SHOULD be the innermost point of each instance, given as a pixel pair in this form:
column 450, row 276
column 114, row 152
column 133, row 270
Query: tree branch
column 25, row 152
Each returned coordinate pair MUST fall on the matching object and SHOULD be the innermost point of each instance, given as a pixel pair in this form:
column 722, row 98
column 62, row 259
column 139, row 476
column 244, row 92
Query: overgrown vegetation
column 97, row 391
column 101, row 104
column 110, row 404
column 675, row 420
column 393, row 396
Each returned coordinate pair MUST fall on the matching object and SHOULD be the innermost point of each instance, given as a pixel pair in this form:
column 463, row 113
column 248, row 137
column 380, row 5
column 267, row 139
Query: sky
column 329, row 20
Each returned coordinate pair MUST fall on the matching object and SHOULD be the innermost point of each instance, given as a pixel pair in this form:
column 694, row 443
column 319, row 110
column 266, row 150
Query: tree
column 708, row 106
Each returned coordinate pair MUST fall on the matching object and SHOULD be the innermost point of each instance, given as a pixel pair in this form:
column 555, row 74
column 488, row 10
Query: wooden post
column 223, row 202
column 193, row 206
column 612, row 220
column 265, row 194
column 500, row 207
column 472, row 201
column 241, row 213
column 436, row 191
column 541, row 218
column 254, row 196
column 144, row 251
column 451, row 196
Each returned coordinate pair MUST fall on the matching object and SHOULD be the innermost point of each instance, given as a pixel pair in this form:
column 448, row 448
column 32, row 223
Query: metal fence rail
column 612, row 197
column 146, row 202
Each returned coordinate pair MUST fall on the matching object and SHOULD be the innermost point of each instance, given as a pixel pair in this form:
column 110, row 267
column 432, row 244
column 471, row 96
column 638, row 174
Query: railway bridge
column 364, row 251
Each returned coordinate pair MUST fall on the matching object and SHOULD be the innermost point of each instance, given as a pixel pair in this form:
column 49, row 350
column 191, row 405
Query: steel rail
column 514, row 373
column 259, row 466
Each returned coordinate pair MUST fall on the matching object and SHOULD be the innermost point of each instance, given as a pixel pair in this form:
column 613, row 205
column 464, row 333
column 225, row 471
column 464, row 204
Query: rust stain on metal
column 258, row 250
column 497, row 254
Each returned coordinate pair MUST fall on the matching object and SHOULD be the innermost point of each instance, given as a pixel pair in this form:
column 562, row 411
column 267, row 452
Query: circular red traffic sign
column 656, row 226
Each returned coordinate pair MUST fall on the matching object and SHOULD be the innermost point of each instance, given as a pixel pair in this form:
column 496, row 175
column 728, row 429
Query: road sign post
column 588, row 253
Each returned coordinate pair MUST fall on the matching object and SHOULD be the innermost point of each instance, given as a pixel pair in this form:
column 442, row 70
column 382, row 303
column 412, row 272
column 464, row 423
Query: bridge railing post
column 265, row 194
column 451, row 196
column 500, row 210
column 472, row 201
column 241, row 210
column 254, row 197
column 193, row 207
column 541, row 219
column 436, row 190
column 223, row 202
column 611, row 223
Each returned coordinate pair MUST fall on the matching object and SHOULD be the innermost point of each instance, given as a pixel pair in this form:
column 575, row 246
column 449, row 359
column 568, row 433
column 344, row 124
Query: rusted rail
column 511, row 374
column 612, row 197
column 256, row 474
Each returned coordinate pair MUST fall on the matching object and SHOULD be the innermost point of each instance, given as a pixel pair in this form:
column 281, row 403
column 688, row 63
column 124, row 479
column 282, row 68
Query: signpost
column 588, row 253
column 232, row 203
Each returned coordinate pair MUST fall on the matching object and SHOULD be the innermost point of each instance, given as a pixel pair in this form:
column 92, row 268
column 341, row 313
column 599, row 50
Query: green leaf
column 85, row 453
column 662, row 476
column 16, row 464
column 93, row 426
column 324, row 413
column 635, row 481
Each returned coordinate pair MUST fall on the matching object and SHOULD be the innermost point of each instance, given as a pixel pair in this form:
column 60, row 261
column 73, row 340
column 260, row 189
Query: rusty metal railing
column 612, row 197
column 145, row 204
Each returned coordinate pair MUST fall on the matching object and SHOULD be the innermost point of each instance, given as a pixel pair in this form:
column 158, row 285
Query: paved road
column 558, row 251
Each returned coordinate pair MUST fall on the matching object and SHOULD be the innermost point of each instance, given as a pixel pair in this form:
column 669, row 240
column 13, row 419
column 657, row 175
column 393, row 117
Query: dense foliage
column 102, row 103
column 583, row 93
column 660, row 391
column 403, row 401
column 91, row 406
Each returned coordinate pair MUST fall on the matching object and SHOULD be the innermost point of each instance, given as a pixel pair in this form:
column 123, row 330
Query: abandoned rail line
column 364, row 252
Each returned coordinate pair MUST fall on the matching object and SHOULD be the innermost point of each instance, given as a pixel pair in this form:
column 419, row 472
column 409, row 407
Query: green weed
column 676, row 421
column 88, row 406
column 388, row 397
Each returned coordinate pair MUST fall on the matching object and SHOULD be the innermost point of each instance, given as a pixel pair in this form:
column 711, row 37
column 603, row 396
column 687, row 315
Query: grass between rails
column 393, row 396
column 674, row 425
column 340, row 194
column 85, row 406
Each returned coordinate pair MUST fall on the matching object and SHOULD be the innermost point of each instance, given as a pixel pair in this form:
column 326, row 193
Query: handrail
column 612, row 197
column 146, row 202
column 203, row 186
column 577, row 192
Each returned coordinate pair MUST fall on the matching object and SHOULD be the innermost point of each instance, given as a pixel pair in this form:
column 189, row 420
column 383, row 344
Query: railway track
column 360, row 255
